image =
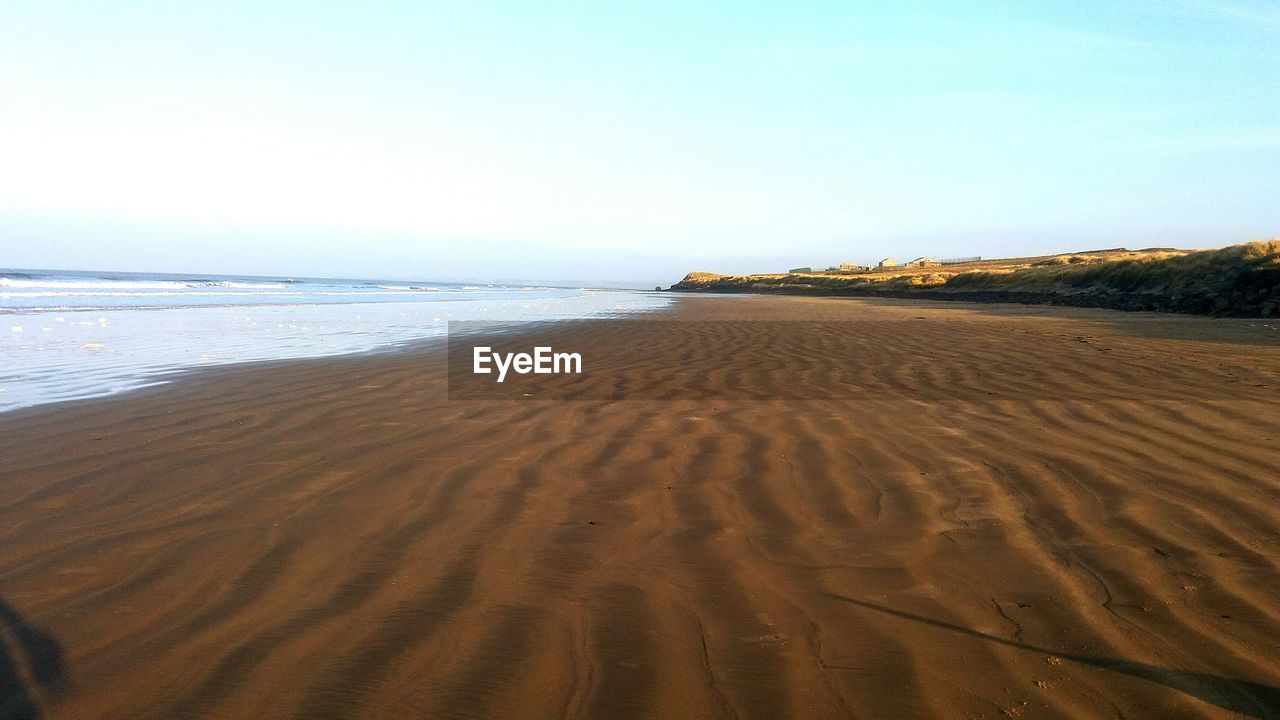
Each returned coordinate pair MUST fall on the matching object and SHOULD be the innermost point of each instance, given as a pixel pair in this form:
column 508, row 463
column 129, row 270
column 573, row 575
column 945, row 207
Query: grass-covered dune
column 1241, row 280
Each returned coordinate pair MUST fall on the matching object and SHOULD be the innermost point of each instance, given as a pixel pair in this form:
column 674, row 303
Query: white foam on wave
column 204, row 293
column 241, row 285
column 90, row 284
column 129, row 293
column 408, row 288
column 111, row 284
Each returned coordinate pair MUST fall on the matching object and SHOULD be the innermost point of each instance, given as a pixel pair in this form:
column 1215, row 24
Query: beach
column 912, row 509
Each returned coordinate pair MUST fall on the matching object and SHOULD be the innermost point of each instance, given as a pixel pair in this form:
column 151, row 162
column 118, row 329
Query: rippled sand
column 996, row 512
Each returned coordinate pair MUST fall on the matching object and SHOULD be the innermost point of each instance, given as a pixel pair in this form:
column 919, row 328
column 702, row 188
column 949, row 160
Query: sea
column 67, row 335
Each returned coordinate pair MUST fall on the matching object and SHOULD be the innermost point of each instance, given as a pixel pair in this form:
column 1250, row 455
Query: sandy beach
column 941, row 511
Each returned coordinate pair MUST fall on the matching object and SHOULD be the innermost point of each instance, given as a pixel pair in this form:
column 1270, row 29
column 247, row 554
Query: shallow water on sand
column 65, row 336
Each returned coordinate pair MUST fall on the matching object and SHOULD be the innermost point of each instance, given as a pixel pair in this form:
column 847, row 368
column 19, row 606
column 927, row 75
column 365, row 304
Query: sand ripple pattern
column 1002, row 512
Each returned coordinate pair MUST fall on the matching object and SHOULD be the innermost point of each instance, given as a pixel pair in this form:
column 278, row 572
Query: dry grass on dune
column 1241, row 280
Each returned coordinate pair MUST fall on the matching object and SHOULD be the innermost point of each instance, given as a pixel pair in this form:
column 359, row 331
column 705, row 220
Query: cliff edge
column 1238, row 281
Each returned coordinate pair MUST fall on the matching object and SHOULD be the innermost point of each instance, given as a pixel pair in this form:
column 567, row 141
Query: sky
column 627, row 141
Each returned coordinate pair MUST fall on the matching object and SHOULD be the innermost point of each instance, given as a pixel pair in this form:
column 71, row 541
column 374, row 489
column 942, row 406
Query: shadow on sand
column 1240, row 696
column 23, row 646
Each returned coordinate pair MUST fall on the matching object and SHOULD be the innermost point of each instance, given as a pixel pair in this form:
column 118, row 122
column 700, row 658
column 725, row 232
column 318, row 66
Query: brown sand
column 1000, row 512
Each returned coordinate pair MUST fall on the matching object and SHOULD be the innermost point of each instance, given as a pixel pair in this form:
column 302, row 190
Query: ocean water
column 69, row 335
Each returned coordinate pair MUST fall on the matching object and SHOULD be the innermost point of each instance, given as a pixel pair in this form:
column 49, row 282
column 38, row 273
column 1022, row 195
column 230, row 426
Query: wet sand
column 996, row 512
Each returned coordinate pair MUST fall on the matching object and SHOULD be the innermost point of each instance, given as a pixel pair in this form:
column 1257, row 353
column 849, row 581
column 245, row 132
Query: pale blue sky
column 626, row 142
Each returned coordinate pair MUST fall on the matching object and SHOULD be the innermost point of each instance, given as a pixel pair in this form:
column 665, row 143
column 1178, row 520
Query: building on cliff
column 923, row 262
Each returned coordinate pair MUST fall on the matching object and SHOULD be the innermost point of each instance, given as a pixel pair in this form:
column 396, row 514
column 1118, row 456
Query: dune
column 751, row 507
column 1236, row 281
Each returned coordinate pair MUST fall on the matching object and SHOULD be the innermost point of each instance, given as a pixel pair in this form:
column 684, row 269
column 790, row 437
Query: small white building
column 888, row 263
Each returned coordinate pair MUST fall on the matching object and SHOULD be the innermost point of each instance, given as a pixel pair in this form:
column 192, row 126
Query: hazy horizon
column 554, row 143
column 738, row 266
